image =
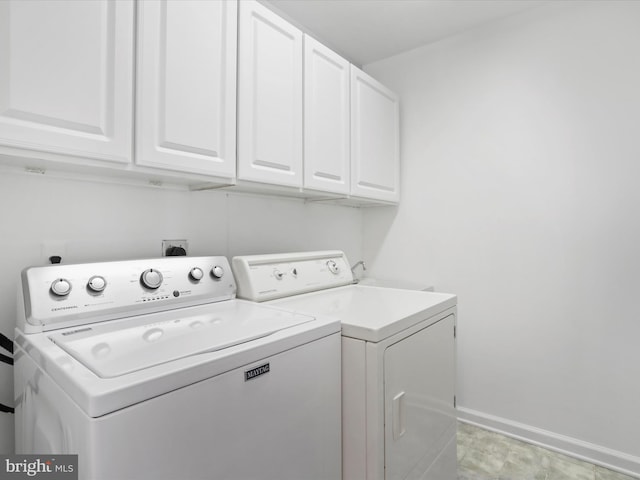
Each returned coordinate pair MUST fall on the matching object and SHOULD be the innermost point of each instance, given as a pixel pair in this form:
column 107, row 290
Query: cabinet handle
column 398, row 416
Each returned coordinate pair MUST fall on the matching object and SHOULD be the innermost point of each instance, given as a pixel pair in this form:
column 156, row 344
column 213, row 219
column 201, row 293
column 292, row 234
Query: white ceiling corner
column 365, row 31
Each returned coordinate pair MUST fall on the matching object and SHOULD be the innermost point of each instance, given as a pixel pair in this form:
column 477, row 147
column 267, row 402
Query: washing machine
column 398, row 361
column 152, row 369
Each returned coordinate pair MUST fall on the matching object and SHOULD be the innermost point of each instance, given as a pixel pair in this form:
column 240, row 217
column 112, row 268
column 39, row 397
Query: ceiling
column 364, row 31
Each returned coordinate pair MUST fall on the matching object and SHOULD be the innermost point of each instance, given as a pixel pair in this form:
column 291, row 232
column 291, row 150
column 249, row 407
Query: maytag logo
column 59, row 467
column 79, row 330
column 256, row 372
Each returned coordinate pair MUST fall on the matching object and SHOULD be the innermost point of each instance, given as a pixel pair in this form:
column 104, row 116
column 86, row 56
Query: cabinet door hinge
column 455, row 332
column 454, row 401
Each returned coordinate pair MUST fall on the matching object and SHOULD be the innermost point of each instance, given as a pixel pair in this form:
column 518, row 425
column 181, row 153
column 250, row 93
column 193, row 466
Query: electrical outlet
column 168, row 245
column 53, row 248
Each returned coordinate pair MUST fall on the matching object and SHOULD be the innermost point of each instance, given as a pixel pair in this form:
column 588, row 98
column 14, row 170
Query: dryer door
column 419, row 379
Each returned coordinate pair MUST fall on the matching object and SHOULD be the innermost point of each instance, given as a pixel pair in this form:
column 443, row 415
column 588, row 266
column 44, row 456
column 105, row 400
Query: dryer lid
column 111, row 351
column 370, row 313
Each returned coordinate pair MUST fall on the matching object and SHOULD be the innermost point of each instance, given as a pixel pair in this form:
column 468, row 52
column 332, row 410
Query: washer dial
column 97, row 284
column 61, row 287
column 196, row 274
column 151, row 278
column 217, row 272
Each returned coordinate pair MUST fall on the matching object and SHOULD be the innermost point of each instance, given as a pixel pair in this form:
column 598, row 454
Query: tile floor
column 485, row 455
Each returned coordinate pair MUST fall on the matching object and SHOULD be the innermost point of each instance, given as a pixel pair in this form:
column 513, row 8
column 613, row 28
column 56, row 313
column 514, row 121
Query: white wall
column 40, row 216
column 520, row 193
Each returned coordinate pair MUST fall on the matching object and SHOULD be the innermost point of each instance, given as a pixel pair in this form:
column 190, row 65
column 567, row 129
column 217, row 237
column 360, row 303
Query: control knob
column 61, row 287
column 196, row 274
column 217, row 272
column 333, row 267
column 97, row 284
column 278, row 274
column 151, row 278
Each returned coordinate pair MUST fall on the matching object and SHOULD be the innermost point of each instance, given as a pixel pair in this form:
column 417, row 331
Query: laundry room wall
column 520, row 170
column 88, row 221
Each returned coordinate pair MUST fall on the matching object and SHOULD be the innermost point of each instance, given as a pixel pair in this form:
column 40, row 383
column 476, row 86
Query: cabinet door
column 326, row 119
column 66, row 77
column 187, row 86
column 375, row 157
column 269, row 98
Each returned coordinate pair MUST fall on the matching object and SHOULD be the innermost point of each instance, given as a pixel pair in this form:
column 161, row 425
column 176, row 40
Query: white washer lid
column 370, row 313
column 111, row 351
column 97, row 396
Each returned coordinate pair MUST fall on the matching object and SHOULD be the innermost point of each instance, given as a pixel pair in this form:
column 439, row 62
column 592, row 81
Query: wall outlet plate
column 169, row 244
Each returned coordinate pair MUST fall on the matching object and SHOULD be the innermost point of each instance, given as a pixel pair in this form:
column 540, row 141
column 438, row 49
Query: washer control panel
column 267, row 277
column 60, row 295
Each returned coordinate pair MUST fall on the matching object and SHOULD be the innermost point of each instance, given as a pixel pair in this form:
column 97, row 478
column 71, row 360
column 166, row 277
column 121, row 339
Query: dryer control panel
column 61, row 295
column 267, row 277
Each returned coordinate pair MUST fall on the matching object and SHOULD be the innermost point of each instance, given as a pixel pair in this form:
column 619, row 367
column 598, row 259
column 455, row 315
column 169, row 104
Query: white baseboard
column 573, row 447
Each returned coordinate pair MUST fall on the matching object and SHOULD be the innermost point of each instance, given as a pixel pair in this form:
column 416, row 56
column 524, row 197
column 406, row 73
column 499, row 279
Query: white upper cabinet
column 269, row 98
column 186, row 86
column 308, row 122
column 66, row 77
column 326, row 119
column 375, row 154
